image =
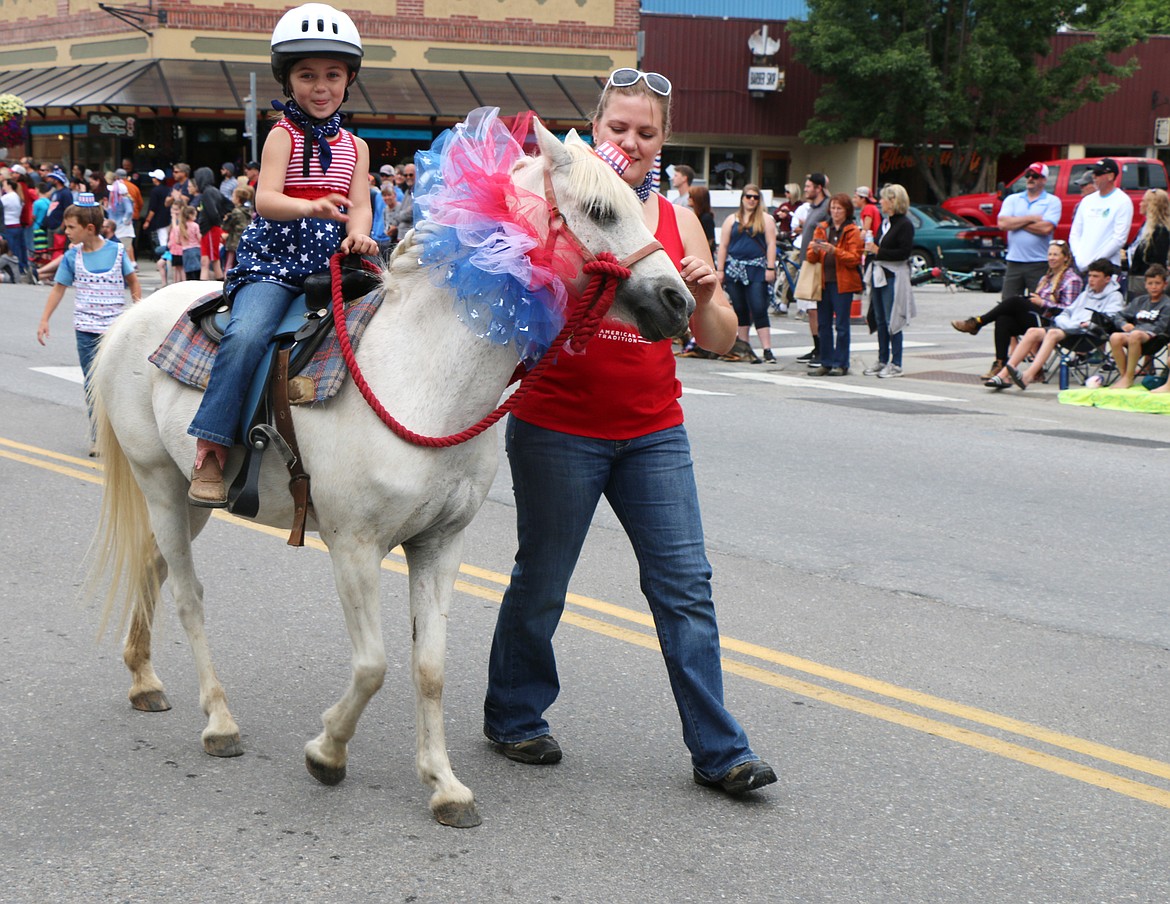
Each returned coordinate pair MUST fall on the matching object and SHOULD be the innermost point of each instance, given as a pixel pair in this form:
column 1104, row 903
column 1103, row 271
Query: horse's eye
column 602, row 214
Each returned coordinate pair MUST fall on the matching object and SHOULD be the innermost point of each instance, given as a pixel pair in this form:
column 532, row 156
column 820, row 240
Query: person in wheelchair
column 1141, row 327
column 1100, row 296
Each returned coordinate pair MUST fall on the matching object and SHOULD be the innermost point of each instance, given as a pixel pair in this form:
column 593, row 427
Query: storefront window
column 676, row 155
column 729, row 168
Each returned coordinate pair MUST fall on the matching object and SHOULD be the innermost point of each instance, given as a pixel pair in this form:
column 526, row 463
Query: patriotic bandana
column 321, row 130
column 643, row 190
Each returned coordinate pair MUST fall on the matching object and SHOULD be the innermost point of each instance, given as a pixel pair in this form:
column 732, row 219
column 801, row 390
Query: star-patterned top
column 286, row 252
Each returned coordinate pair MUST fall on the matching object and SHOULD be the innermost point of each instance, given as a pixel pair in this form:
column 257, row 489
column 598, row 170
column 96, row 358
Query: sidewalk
column 933, row 349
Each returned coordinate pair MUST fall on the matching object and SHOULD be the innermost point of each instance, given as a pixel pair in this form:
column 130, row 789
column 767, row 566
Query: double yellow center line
column 967, row 725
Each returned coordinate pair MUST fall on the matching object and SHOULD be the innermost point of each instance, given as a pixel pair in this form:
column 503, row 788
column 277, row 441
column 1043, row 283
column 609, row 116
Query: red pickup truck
column 1138, row 175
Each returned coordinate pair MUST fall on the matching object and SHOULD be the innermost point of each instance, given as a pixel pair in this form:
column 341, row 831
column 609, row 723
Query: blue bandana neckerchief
column 643, row 190
column 320, row 130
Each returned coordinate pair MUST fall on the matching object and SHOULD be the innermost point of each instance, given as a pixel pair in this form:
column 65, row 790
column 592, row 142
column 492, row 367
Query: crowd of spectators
column 188, row 221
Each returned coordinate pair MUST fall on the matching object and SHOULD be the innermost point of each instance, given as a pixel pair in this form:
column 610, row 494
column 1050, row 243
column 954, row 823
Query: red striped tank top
column 340, row 175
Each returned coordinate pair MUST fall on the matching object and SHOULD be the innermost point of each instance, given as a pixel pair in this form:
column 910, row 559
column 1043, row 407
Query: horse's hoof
column 150, row 702
column 223, row 745
column 326, row 775
column 459, row 816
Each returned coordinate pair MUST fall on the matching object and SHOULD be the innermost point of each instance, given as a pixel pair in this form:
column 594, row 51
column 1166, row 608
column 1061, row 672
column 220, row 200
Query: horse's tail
column 123, row 551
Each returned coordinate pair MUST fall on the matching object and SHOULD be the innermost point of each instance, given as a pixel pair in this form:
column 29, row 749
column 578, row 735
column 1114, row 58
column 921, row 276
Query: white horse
column 371, row 491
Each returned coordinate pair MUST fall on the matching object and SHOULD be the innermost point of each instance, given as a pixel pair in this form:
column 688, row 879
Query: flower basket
column 12, row 114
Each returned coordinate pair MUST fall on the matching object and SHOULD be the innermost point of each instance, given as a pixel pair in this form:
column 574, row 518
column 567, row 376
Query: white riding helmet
column 314, row 30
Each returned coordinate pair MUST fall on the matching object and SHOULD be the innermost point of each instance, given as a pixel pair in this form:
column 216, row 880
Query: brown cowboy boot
column 207, row 489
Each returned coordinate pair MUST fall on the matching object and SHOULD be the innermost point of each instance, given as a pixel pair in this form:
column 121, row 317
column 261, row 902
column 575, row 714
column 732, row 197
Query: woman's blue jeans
column 889, row 344
column 834, row 306
column 256, row 312
column 15, row 236
column 750, row 302
column 558, row 480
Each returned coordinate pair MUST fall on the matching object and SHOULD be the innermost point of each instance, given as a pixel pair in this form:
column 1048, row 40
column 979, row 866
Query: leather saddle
column 265, row 418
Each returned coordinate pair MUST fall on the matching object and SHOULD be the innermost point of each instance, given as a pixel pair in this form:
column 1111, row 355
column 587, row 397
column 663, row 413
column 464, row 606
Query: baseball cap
column 252, row 164
column 818, row 179
column 1038, row 169
column 120, row 172
column 1106, row 165
column 19, row 170
column 863, row 192
column 158, row 174
column 59, row 175
column 386, row 170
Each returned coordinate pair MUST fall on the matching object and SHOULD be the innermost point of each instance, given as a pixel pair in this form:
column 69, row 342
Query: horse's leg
column 434, row 565
column 356, row 571
column 146, row 688
column 174, row 524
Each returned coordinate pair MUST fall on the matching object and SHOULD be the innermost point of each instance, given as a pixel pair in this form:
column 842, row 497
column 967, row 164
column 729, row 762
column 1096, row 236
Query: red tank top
column 622, row 386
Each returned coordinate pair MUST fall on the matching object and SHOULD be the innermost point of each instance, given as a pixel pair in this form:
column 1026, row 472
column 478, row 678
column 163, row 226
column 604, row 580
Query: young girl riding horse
column 313, row 191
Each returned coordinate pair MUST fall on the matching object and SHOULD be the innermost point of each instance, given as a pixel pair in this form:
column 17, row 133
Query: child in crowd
column 237, row 220
column 109, row 230
column 314, row 187
column 184, row 243
column 9, row 265
column 100, row 272
column 1144, row 319
column 42, row 242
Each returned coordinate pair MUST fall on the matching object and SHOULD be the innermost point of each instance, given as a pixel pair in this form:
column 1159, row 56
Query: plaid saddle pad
column 187, row 353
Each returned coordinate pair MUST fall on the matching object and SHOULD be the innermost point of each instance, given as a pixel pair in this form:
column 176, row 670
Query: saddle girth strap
column 298, row 484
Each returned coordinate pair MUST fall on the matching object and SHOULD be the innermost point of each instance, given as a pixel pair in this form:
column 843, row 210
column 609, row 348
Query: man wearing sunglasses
column 1030, row 217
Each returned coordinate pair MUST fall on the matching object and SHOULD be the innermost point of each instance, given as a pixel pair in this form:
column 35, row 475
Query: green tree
column 976, row 76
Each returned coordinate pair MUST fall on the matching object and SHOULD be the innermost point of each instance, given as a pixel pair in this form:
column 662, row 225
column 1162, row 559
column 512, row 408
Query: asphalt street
column 944, row 622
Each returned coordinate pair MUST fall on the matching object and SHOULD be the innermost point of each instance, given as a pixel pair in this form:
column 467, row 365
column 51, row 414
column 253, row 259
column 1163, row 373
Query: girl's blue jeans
column 256, row 312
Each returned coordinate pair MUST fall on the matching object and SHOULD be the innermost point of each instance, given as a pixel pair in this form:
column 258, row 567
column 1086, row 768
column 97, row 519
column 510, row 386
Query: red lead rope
column 605, row 272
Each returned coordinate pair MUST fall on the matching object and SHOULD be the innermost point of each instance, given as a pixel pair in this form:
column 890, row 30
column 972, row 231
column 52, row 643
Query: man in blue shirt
column 59, row 201
column 1030, row 218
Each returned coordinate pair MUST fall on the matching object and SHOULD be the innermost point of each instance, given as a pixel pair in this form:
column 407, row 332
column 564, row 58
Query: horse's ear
column 551, row 148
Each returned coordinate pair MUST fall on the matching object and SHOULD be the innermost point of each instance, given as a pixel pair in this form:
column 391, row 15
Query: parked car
column 1138, row 174
column 941, row 237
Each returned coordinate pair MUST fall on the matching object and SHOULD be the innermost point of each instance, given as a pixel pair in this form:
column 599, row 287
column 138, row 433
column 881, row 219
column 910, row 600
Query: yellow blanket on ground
column 1136, row 398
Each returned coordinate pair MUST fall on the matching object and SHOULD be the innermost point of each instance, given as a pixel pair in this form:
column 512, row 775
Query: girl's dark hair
column 700, row 200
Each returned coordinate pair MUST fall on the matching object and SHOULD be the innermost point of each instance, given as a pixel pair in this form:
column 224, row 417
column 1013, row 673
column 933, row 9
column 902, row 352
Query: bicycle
column 787, row 273
column 987, row 277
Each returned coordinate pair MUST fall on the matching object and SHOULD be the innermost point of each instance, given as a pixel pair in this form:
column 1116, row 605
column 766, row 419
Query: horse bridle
column 558, row 226
column 605, row 272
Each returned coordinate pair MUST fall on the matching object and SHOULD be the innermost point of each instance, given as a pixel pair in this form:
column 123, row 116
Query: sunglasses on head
column 747, row 196
column 625, row 78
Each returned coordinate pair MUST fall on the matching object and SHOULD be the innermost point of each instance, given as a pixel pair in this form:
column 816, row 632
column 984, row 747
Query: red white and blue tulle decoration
column 486, row 239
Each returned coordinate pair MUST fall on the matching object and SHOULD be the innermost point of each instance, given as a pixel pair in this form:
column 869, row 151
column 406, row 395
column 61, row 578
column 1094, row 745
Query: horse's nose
column 682, row 302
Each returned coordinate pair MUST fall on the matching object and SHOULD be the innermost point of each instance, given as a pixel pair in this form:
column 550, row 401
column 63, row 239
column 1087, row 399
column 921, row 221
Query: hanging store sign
column 765, row 78
column 112, row 125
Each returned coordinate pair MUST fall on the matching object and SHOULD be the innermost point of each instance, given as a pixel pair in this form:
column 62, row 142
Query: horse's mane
column 595, row 186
